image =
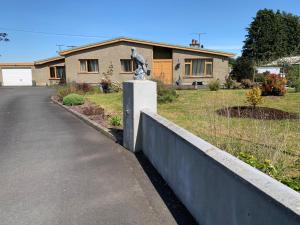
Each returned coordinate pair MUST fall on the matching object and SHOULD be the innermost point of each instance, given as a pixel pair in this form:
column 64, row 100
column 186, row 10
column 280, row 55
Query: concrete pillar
column 137, row 95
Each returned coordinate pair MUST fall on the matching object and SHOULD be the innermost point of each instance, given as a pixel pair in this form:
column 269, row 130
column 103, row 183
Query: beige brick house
column 88, row 63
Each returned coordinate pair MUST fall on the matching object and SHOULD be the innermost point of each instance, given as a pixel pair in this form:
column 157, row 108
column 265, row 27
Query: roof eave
column 41, row 62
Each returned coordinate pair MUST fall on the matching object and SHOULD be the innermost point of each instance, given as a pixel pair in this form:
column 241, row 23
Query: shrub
column 106, row 85
column 274, row 85
column 95, row 90
column 62, row 92
column 260, row 78
column 83, row 87
column 214, row 85
column 73, row 99
column 236, row 85
column 254, row 96
column 165, row 94
column 292, row 73
column 246, row 83
column 265, row 166
column 228, row 82
column 296, row 85
column 115, row 121
column 116, row 86
column 79, row 88
column 93, row 110
column 292, row 182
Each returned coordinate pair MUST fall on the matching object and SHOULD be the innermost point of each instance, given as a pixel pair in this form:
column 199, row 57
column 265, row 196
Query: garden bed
column 93, row 112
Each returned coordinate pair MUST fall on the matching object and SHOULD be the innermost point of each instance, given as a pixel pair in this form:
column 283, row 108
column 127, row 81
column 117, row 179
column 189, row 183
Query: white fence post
column 137, row 95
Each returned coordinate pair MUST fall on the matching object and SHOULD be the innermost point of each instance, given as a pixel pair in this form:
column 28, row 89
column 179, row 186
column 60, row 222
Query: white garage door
column 16, row 77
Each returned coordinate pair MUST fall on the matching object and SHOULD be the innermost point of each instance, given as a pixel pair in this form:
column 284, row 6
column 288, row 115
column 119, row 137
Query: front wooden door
column 163, row 70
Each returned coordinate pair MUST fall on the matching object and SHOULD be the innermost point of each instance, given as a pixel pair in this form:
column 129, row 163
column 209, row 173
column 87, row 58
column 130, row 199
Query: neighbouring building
column 88, row 64
column 279, row 66
column 269, row 69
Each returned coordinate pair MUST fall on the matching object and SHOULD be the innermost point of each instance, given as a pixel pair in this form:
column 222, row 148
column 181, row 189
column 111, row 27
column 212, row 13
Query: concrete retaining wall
column 217, row 188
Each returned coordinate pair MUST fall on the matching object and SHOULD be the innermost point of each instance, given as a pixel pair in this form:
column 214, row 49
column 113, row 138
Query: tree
column 3, row 37
column 243, row 69
column 292, row 30
column 292, row 73
column 254, row 97
column 272, row 35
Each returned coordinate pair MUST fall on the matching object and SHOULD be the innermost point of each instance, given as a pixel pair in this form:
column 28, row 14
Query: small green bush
column 115, row 121
column 73, row 99
column 165, row 94
column 214, row 85
column 228, row 82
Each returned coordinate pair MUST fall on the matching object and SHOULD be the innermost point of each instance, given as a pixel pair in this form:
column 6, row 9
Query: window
column 52, row 72
column 198, row 67
column 89, row 65
column 60, row 72
column 128, row 65
column 57, row 72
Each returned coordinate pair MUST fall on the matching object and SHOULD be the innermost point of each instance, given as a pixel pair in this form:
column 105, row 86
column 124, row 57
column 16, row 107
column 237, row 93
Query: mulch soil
column 93, row 112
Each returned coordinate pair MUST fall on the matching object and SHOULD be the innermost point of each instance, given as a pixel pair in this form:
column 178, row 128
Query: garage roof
column 16, row 64
column 137, row 41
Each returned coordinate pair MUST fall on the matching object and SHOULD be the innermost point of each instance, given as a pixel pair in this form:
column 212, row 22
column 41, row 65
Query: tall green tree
column 272, row 35
column 243, row 68
column 3, row 37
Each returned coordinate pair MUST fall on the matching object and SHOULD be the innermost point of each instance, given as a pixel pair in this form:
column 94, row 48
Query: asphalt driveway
column 56, row 170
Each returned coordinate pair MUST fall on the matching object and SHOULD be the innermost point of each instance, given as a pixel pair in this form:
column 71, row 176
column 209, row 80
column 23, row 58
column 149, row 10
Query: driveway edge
column 88, row 121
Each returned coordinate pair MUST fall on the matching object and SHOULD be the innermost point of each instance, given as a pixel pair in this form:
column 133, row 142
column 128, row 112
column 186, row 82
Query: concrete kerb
column 88, row 121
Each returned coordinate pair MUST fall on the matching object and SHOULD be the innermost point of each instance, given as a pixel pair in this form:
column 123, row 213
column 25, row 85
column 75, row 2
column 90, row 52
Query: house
column 278, row 66
column 269, row 69
column 87, row 63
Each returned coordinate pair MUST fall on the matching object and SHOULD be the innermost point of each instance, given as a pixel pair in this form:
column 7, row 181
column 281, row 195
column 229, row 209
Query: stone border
column 88, row 121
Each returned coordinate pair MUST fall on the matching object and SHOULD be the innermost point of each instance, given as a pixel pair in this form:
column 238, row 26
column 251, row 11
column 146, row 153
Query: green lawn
column 266, row 143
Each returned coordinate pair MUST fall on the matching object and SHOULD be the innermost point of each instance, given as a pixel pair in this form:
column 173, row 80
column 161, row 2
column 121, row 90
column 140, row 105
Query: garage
column 16, row 77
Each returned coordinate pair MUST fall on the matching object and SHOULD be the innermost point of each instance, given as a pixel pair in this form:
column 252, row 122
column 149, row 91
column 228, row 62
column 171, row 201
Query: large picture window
column 198, row 67
column 128, row 65
column 57, row 72
column 89, row 65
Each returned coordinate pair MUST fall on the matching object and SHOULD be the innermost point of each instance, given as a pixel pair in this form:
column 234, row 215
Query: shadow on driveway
column 177, row 209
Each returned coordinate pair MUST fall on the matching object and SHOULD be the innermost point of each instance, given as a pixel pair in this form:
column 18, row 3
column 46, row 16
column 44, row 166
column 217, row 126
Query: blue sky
column 171, row 21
